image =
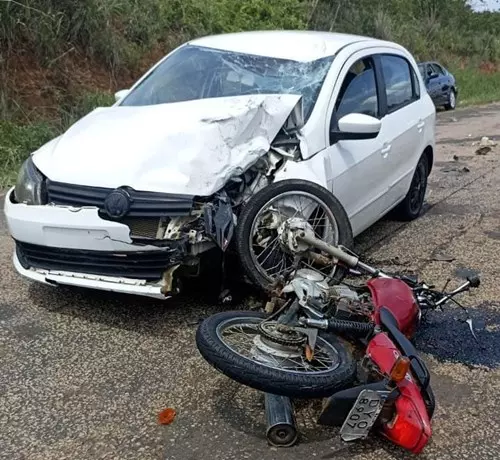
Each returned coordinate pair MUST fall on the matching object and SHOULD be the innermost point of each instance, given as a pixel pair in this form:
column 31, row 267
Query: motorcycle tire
column 261, row 198
column 269, row 379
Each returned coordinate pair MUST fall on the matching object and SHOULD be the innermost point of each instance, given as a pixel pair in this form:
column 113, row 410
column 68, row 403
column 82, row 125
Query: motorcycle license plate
column 362, row 416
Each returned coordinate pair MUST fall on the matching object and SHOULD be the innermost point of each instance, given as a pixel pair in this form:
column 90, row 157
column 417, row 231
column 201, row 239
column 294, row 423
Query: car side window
column 437, row 69
column 416, row 83
column 400, row 86
column 358, row 93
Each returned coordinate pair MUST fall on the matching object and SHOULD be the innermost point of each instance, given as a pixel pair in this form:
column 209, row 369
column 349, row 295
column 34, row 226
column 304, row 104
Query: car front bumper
column 103, row 283
column 74, row 246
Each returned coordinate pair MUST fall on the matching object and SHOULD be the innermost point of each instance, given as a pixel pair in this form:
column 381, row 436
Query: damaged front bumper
column 75, row 246
column 103, row 283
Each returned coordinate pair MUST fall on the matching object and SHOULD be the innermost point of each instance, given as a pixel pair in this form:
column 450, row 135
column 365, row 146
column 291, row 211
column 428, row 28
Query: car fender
column 312, row 170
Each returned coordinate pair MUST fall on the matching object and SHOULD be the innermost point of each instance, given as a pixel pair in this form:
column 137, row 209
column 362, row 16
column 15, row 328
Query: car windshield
column 194, row 72
column 421, row 67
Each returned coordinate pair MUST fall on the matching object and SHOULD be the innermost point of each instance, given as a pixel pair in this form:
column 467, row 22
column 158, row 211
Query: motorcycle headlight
column 30, row 185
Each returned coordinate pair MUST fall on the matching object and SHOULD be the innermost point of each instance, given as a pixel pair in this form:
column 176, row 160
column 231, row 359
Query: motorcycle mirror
column 474, row 281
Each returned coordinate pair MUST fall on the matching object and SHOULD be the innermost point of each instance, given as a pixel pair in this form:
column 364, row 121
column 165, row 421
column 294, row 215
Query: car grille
column 143, row 204
column 142, row 227
column 148, row 265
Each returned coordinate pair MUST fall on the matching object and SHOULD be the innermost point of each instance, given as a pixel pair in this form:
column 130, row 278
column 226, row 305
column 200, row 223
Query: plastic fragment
column 166, row 416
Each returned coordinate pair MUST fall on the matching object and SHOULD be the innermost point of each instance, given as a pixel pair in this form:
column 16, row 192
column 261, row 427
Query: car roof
column 297, row 45
column 430, row 62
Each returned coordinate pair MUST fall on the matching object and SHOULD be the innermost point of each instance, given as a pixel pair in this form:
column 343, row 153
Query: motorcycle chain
column 281, row 339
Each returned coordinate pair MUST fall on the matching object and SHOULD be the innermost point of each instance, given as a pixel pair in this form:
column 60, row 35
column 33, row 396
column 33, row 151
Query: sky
column 479, row 5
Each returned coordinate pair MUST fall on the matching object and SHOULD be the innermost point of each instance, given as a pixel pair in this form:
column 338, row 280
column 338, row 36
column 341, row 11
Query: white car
column 215, row 150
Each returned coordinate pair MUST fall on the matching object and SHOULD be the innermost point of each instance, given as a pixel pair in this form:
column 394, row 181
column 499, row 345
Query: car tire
column 411, row 207
column 452, row 100
column 254, row 205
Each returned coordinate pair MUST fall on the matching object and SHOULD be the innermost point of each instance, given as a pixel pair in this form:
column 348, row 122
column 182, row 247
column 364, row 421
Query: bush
column 17, row 142
column 121, row 37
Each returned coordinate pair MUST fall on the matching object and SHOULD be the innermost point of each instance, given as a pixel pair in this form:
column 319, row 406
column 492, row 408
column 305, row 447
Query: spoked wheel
column 271, row 358
column 259, row 234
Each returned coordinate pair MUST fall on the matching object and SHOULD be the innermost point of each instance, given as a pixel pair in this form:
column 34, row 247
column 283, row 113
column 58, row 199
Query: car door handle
column 420, row 126
column 385, row 151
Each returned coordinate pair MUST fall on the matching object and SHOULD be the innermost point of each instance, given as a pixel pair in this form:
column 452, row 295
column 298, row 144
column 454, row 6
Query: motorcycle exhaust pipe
column 281, row 426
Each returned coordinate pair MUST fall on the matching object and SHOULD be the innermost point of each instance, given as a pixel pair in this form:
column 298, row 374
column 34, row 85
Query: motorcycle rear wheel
column 332, row 369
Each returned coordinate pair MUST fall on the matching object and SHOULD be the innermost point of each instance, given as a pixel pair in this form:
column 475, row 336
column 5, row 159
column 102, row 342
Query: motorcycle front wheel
column 262, row 256
column 234, row 344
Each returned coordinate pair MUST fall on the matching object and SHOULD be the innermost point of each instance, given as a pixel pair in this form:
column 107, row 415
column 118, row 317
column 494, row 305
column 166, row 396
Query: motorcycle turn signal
column 400, row 369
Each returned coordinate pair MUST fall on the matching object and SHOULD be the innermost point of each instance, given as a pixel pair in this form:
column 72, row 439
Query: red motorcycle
column 349, row 344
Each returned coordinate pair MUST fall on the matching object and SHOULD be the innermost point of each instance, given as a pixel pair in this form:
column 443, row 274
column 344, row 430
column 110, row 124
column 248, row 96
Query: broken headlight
column 30, row 185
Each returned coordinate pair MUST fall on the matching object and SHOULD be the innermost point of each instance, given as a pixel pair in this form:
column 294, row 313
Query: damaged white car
column 220, row 147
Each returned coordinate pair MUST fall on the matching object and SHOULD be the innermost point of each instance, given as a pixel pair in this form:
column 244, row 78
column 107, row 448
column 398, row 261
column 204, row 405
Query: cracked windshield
column 195, row 72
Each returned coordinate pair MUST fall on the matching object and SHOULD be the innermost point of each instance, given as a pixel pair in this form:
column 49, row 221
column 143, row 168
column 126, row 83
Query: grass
column 19, row 139
column 51, row 53
column 476, row 87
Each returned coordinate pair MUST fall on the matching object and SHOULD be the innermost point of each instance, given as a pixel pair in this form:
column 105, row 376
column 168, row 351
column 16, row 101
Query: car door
column 432, row 83
column 442, row 83
column 354, row 167
column 404, row 121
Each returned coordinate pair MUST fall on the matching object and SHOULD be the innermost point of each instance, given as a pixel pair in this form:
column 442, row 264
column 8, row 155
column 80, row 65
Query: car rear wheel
column 452, row 100
column 411, row 207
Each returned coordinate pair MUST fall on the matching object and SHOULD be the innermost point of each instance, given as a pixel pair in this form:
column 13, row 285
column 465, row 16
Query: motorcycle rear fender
column 410, row 427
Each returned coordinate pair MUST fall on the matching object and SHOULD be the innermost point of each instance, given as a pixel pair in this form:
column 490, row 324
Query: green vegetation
column 16, row 141
column 477, row 87
column 61, row 58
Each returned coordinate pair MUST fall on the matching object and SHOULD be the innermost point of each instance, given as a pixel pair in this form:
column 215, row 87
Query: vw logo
column 117, row 203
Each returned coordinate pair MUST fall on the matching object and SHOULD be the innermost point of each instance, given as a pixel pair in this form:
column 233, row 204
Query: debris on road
column 485, row 142
column 458, row 169
column 483, row 150
column 442, row 257
column 485, row 146
column 166, row 416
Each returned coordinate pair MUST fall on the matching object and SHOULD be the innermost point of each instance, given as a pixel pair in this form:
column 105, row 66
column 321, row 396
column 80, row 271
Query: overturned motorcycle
column 349, row 344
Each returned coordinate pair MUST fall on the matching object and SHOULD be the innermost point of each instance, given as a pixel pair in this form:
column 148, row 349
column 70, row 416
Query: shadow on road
column 141, row 314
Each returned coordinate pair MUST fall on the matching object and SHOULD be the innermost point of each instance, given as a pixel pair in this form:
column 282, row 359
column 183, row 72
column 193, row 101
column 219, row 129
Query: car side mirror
column 432, row 75
column 121, row 94
column 356, row 126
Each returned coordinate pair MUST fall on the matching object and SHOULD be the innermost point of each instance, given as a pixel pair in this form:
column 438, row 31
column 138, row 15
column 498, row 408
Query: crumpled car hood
column 191, row 147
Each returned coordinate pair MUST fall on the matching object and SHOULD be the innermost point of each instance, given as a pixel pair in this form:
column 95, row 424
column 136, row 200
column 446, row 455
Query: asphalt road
column 84, row 375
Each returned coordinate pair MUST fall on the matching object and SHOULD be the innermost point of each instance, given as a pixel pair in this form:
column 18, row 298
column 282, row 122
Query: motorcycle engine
column 314, row 293
column 349, row 303
column 311, row 289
